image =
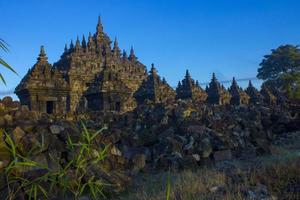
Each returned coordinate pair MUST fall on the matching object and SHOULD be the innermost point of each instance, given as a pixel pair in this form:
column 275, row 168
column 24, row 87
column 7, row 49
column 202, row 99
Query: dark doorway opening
column 49, row 107
column 118, row 106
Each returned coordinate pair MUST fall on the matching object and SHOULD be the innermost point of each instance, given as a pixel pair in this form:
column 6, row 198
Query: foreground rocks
column 152, row 137
column 187, row 135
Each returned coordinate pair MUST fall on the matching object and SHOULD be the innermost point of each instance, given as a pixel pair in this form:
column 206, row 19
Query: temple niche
column 43, row 88
column 238, row 96
column 189, row 89
column 154, row 89
column 217, row 94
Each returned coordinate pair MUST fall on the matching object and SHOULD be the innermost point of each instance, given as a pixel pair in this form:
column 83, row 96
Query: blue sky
column 228, row 37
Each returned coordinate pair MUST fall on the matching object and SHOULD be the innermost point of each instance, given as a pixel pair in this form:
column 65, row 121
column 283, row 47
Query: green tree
column 3, row 47
column 290, row 84
column 281, row 69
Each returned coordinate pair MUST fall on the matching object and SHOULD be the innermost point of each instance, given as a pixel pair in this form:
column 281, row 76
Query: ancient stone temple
column 91, row 58
column 189, row 89
column 43, row 88
column 268, row 97
column 154, row 89
column 83, row 66
column 253, row 93
column 238, row 96
column 217, row 94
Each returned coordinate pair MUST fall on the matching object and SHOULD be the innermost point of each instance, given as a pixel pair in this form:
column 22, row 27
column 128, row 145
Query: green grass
column 71, row 180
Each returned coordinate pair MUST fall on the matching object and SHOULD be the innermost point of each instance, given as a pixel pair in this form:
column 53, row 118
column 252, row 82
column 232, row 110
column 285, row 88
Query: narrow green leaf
column 12, row 145
column 98, row 132
column 168, row 192
column 27, row 164
column 2, row 62
column 3, row 45
column 35, row 192
column 2, row 79
column 43, row 191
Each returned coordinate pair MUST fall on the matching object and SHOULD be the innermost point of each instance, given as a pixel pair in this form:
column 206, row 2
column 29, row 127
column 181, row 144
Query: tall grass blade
column 168, row 188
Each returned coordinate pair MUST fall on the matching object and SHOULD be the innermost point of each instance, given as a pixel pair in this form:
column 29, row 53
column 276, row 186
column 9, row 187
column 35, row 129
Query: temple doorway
column 118, row 106
column 49, row 107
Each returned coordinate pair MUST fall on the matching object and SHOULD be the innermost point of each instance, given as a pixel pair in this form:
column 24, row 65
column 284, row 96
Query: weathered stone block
column 222, row 155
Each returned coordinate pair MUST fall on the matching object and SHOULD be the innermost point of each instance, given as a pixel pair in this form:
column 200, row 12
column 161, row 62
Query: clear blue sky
column 228, row 37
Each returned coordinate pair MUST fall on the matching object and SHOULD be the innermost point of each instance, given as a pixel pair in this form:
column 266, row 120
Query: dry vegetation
column 276, row 178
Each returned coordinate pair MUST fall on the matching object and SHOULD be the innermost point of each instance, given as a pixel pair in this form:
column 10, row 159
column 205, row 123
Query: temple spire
column 116, row 49
column 234, row 88
column 214, row 77
column 42, row 55
column 132, row 56
column 66, row 48
column 234, row 81
column 116, row 44
column 99, row 25
column 71, row 45
column 179, row 84
column 250, row 84
column 153, row 70
column 187, row 74
column 124, row 55
column 77, row 45
column 90, row 42
column 83, row 42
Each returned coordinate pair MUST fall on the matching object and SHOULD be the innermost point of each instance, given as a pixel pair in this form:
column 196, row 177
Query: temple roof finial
column 42, row 55
column 42, row 51
column 77, row 45
column 83, row 42
column 132, row 51
column 234, row 81
column 250, row 84
column 153, row 69
column 124, row 54
column 179, row 84
column 71, row 45
column 187, row 74
column 214, row 77
column 77, row 40
column 116, row 44
column 116, row 49
column 132, row 56
column 99, row 25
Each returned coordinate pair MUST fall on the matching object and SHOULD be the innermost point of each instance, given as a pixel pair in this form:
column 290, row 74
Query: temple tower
column 43, row 88
column 217, row 95
column 154, row 89
column 189, row 89
column 238, row 96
